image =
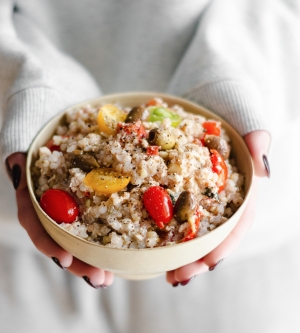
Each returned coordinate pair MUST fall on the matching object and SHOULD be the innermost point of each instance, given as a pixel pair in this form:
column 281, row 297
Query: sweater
column 222, row 54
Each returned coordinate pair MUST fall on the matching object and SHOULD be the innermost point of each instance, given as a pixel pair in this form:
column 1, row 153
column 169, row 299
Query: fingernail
column 184, row 283
column 176, row 284
column 16, row 176
column 58, row 263
column 216, row 265
column 87, row 280
column 266, row 163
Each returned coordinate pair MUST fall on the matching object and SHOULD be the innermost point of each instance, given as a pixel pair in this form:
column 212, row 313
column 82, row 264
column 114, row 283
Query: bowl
column 138, row 264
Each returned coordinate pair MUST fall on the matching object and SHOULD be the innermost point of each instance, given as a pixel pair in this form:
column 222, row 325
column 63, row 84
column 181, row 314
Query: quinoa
column 120, row 219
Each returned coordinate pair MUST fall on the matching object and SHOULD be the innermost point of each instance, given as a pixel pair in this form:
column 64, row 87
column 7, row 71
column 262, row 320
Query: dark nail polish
column 176, row 284
column 216, row 265
column 87, row 280
column 58, row 263
column 266, row 163
column 16, row 9
column 184, row 283
column 16, row 176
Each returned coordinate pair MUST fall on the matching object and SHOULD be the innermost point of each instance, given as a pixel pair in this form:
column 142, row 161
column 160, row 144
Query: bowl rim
column 141, row 94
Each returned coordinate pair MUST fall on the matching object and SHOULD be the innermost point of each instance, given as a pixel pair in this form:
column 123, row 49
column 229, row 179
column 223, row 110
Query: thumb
column 17, row 169
column 258, row 143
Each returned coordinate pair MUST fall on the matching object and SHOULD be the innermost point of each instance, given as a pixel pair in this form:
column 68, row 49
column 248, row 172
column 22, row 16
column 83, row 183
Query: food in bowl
column 142, row 177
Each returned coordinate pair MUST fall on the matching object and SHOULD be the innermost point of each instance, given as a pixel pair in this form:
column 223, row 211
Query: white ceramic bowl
column 139, row 264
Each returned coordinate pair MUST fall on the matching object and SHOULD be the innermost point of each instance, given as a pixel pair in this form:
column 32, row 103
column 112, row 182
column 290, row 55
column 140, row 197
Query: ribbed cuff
column 233, row 102
column 26, row 113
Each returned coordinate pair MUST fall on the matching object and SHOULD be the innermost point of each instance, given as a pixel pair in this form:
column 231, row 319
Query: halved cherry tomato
column 158, row 205
column 212, row 128
column 219, row 167
column 194, row 225
column 108, row 118
column 106, row 181
column 59, row 205
column 152, row 150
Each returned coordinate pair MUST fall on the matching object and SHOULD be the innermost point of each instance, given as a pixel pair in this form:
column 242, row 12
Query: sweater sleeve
column 36, row 80
column 238, row 51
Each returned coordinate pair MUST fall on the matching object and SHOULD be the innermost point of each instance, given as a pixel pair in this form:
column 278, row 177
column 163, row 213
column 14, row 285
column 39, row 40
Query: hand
column 258, row 144
column 95, row 277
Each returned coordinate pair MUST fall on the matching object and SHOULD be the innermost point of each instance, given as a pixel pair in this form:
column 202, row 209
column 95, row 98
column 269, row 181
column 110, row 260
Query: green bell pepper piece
column 160, row 113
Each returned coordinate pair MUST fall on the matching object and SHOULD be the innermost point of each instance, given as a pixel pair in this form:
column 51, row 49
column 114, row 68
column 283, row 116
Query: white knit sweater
column 223, row 54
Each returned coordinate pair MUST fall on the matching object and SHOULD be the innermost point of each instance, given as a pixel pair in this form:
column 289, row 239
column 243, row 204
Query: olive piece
column 220, row 145
column 161, row 138
column 185, row 206
column 85, row 162
column 135, row 114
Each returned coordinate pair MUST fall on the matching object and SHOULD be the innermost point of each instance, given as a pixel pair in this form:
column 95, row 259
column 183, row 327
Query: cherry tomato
column 194, row 225
column 59, row 205
column 152, row 150
column 106, row 181
column 212, row 128
column 219, row 167
column 108, row 118
column 158, row 205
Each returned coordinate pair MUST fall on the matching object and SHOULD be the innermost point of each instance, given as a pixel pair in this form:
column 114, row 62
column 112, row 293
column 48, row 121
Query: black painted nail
column 184, row 283
column 16, row 176
column 87, row 280
column 176, row 284
column 216, row 265
column 16, row 9
column 58, row 263
column 266, row 163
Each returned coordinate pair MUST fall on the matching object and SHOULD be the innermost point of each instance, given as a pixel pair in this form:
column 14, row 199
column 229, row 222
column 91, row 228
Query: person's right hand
column 258, row 143
column 95, row 277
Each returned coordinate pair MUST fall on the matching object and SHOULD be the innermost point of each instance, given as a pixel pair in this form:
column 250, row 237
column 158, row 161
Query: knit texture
column 221, row 54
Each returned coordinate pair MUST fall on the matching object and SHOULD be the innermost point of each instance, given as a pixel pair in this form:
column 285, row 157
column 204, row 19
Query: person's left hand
column 258, row 143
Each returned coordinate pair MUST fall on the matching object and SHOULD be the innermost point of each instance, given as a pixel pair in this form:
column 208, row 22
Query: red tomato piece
column 194, row 227
column 158, row 205
column 152, row 102
column 212, row 128
column 219, row 167
column 136, row 129
column 152, row 150
column 59, row 205
column 50, row 144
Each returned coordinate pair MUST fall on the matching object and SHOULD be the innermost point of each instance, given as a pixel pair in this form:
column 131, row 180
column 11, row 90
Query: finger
column 40, row 238
column 42, row 241
column 235, row 237
column 187, row 272
column 258, row 143
column 17, row 169
column 95, row 277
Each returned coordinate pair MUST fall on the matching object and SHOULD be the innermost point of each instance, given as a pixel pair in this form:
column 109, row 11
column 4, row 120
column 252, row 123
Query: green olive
column 161, row 138
column 185, row 206
column 85, row 162
column 215, row 142
column 135, row 114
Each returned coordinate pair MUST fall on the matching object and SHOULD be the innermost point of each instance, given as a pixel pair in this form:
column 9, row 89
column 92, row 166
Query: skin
column 258, row 143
